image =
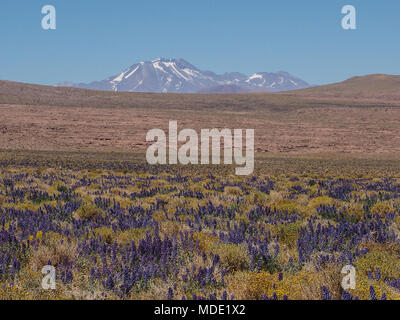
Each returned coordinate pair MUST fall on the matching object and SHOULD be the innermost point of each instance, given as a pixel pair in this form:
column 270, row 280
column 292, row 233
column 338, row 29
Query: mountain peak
column 180, row 76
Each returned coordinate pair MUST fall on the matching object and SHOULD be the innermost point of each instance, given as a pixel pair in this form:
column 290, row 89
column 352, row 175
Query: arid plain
column 352, row 117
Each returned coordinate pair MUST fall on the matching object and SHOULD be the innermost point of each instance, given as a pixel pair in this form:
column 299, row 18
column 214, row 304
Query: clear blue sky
column 97, row 39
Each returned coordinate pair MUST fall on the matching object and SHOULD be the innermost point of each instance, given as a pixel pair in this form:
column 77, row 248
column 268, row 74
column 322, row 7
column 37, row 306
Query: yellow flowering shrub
column 205, row 240
column 382, row 208
column 232, row 257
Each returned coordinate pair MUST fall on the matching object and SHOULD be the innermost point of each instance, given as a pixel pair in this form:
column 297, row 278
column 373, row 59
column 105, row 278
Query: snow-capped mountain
column 179, row 76
column 280, row 81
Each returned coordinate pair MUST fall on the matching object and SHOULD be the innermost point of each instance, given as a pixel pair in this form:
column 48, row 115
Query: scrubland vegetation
column 116, row 229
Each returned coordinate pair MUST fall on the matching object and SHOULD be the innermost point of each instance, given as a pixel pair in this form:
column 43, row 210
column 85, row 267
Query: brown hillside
column 375, row 86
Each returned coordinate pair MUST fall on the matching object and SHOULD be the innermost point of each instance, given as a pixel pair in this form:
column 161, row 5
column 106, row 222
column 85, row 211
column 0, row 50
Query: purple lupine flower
column 212, row 297
column 378, row 274
column 372, row 293
column 170, row 295
column 326, row 294
column 276, row 250
column 109, row 283
column 346, row 295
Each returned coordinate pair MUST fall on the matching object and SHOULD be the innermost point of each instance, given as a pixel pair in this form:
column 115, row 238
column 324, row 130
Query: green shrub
column 232, row 257
column 87, row 211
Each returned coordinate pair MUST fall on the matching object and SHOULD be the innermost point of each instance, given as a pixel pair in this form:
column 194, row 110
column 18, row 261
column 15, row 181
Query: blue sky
column 97, row 39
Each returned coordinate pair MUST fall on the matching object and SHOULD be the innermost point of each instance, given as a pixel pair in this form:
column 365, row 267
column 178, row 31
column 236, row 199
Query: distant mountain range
column 373, row 90
column 179, row 76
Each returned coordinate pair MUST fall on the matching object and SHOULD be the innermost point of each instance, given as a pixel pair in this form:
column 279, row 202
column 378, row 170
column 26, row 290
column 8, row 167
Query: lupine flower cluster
column 151, row 234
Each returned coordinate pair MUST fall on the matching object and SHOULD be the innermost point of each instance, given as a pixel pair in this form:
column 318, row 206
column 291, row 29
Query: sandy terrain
column 295, row 130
